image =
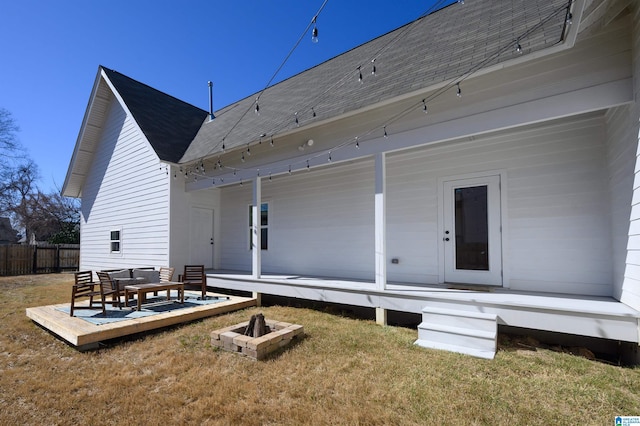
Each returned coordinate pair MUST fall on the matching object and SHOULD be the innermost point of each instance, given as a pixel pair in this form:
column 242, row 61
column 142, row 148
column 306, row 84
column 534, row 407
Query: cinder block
column 228, row 336
column 242, row 340
column 281, row 325
column 296, row 329
column 285, row 333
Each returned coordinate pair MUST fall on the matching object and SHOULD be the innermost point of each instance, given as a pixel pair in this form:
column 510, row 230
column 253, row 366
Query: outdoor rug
column 154, row 305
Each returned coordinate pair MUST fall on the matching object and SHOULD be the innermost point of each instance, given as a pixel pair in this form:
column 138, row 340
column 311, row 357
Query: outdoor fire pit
column 240, row 338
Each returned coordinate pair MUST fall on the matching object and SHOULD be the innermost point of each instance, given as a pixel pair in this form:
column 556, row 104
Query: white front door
column 201, row 237
column 471, row 236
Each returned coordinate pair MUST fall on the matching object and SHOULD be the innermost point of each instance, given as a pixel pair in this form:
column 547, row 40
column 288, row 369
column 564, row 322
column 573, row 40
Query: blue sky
column 51, row 52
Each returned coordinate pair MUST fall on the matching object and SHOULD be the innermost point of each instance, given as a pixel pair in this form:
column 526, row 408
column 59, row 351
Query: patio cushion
column 120, row 274
column 149, row 276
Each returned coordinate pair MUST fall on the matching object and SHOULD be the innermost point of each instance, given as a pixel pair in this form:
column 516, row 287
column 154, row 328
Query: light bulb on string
column 242, row 158
column 271, row 142
column 424, row 106
column 518, row 48
column 269, row 177
column 314, row 31
column 357, row 143
column 240, row 182
column 307, row 164
column 360, row 75
column 258, row 173
column 329, row 159
column 257, row 108
column 313, row 112
column 248, row 150
column 385, row 132
column 569, row 18
column 296, row 120
column 458, row 91
column 289, row 169
column 373, row 67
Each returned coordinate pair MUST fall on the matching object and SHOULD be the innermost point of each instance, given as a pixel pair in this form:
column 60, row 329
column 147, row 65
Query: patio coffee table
column 142, row 289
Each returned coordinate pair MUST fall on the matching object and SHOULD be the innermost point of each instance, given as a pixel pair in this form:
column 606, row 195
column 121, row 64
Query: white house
column 512, row 201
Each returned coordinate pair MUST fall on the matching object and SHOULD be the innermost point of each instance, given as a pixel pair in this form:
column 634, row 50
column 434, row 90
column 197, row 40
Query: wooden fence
column 16, row 259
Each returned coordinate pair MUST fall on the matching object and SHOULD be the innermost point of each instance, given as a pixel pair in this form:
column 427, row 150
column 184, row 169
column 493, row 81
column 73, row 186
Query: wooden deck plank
column 81, row 333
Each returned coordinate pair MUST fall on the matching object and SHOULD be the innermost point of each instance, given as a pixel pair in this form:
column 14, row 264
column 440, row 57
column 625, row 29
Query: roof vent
column 211, row 116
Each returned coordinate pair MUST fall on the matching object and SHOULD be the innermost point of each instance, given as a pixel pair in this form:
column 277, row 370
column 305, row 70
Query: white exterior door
column 472, row 236
column 201, row 237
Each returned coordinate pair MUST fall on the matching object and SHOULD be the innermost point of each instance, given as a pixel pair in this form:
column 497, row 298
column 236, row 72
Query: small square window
column 114, row 240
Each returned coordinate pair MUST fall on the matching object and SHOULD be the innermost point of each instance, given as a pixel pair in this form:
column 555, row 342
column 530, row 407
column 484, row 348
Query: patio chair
column 85, row 287
column 166, row 273
column 194, row 277
column 109, row 287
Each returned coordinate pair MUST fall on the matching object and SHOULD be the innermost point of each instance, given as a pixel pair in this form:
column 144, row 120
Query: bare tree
column 45, row 216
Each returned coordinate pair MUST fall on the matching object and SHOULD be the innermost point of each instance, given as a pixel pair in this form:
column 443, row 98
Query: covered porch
column 455, row 317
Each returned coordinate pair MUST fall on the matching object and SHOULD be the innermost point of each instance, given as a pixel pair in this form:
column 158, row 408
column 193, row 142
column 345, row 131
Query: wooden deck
column 85, row 335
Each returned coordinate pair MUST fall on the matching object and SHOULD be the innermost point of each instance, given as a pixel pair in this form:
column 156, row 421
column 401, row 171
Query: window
column 114, row 239
column 264, row 226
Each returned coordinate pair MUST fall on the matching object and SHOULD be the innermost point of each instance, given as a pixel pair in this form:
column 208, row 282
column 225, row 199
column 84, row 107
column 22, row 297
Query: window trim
column 264, row 243
column 117, row 241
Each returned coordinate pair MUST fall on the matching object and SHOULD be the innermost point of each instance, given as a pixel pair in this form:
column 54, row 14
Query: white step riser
column 468, row 332
column 459, row 321
column 465, row 338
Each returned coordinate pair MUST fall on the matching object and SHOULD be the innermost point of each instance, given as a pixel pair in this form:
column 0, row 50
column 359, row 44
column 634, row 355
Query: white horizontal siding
column 125, row 190
column 557, row 218
column 621, row 146
column 630, row 293
column 320, row 223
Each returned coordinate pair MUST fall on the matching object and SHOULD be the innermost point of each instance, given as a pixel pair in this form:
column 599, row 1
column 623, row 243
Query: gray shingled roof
column 436, row 48
column 168, row 123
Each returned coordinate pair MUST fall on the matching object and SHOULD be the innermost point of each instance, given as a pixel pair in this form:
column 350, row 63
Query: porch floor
column 602, row 317
column 86, row 335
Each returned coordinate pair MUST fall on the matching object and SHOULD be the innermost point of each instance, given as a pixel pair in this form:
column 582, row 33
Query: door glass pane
column 472, row 228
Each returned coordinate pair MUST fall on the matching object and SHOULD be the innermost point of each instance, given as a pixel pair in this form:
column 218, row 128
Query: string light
column 257, row 108
column 314, row 32
column 460, row 78
column 269, row 177
column 223, row 147
column 242, row 158
column 569, row 18
column 329, row 159
column 248, row 150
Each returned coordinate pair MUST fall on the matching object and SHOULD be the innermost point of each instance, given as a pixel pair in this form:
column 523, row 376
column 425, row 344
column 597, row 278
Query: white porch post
column 380, row 222
column 256, row 229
